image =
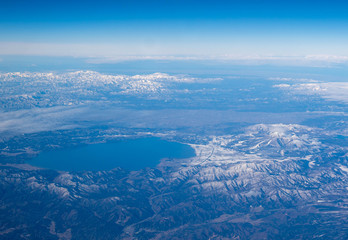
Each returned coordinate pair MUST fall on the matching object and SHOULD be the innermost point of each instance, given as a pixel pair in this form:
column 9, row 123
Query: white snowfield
column 231, row 165
column 27, row 90
column 81, row 79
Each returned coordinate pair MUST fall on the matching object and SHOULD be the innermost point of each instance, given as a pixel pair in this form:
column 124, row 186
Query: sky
column 176, row 29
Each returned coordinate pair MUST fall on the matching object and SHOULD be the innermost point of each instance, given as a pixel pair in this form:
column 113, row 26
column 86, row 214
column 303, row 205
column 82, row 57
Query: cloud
column 305, row 60
column 333, row 91
column 115, row 59
column 101, row 114
column 111, row 53
column 39, row 119
column 327, row 58
column 289, row 79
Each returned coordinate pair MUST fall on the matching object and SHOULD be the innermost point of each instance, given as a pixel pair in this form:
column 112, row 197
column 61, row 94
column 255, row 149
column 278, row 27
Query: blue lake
column 131, row 154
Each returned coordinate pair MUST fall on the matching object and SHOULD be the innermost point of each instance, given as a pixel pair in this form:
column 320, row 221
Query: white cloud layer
column 108, row 53
column 334, row 91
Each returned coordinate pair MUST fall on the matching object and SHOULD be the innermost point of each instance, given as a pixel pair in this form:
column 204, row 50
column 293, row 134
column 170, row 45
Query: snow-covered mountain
column 228, row 190
column 18, row 90
column 271, row 161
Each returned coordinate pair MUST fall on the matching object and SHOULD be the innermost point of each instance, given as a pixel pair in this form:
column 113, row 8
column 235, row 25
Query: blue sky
column 176, row 29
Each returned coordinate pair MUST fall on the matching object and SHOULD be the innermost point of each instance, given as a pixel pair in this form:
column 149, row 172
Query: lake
column 131, row 154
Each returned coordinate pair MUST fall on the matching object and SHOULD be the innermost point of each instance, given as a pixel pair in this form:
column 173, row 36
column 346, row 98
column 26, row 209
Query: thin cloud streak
column 110, row 53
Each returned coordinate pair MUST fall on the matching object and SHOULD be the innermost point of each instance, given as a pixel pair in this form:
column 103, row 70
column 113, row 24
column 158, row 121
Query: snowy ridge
column 47, row 89
column 246, row 164
column 227, row 183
